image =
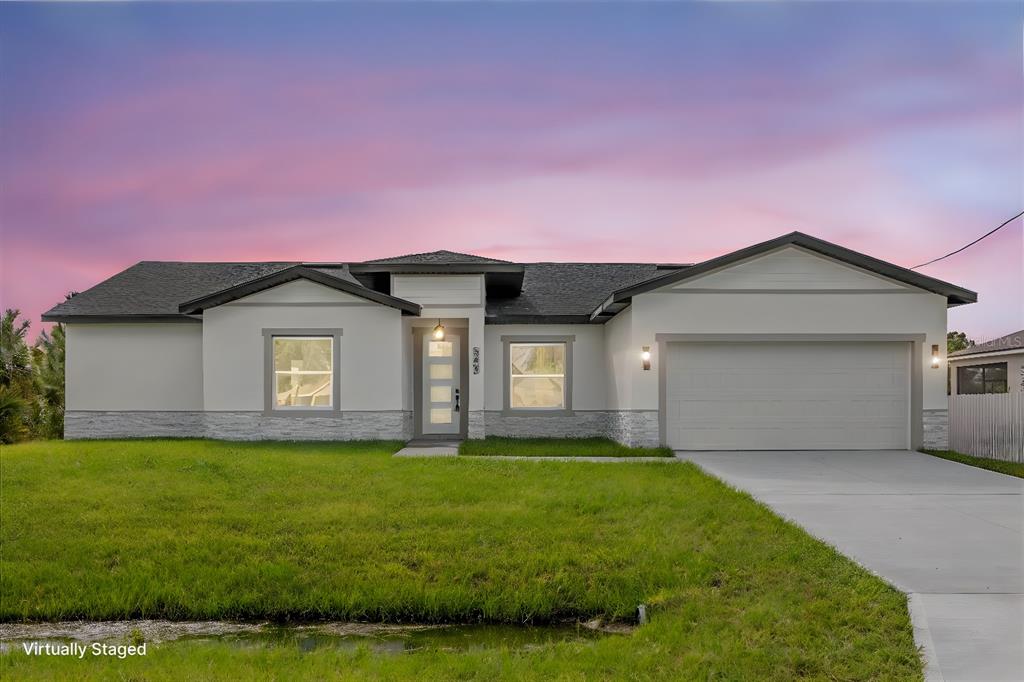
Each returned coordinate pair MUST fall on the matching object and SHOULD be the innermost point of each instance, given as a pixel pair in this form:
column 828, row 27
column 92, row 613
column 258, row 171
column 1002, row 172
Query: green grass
column 556, row 447
column 1001, row 466
column 203, row 529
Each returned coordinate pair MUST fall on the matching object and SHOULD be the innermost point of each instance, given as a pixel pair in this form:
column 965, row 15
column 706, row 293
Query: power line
column 953, row 253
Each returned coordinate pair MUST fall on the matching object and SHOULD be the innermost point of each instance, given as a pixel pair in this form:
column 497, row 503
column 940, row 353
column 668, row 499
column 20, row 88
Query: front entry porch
column 440, row 384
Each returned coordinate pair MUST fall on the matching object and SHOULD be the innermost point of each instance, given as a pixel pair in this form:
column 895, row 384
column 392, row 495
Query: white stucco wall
column 300, row 291
column 621, row 358
column 791, row 268
column 439, row 290
column 589, row 384
column 233, row 351
column 138, row 366
column 456, row 300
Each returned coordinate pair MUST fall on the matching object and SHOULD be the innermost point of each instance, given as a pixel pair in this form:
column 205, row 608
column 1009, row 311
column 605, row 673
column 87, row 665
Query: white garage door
column 787, row 396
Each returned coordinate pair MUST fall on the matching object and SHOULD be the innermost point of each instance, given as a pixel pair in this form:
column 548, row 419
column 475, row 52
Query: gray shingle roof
column 1012, row 341
column 554, row 292
column 156, row 288
column 435, row 258
column 337, row 277
column 568, row 289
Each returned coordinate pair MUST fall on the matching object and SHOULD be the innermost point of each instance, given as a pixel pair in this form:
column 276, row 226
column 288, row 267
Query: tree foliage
column 31, row 381
column 957, row 341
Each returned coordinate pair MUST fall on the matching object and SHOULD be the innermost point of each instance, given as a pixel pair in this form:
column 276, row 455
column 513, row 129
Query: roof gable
column 319, row 276
column 954, row 295
column 302, row 291
column 789, row 268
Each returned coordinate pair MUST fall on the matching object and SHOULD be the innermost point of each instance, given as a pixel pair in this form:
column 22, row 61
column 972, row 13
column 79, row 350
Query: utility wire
column 953, row 253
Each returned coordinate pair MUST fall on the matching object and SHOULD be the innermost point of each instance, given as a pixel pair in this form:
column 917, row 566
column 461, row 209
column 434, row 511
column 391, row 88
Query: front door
column 442, row 404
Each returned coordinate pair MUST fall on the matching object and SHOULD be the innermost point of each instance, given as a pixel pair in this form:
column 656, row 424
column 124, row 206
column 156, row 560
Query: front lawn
column 1002, row 466
column 204, row 529
column 556, row 447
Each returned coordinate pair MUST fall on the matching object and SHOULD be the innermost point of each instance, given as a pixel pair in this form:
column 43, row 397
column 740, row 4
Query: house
column 996, row 366
column 794, row 343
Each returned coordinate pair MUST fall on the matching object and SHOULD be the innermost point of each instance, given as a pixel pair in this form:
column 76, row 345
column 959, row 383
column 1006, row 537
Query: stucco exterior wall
column 371, row 354
column 138, row 366
column 439, row 290
column 621, row 358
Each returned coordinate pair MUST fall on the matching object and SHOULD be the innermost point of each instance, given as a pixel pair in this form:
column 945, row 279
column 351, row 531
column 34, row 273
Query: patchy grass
column 998, row 465
column 556, row 447
column 204, row 529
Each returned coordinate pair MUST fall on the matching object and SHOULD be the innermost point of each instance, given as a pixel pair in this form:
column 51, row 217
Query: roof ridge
column 435, row 252
column 223, row 262
column 634, row 263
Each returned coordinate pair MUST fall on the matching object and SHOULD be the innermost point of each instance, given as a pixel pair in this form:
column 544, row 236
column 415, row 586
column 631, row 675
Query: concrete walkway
column 577, row 458
column 429, row 448
column 950, row 535
column 426, row 448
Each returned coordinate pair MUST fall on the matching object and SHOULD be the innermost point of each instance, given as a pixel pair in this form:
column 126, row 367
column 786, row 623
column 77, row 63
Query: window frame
column 507, row 342
column 984, row 381
column 270, row 406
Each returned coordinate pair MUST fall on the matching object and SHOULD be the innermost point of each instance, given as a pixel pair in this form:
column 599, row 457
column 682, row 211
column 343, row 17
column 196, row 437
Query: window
column 301, row 371
column 975, row 379
column 538, row 373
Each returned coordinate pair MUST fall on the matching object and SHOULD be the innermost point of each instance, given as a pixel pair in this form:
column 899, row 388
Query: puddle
column 388, row 639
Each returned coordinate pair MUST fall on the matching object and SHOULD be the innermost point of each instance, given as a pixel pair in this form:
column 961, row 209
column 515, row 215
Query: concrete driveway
column 950, row 535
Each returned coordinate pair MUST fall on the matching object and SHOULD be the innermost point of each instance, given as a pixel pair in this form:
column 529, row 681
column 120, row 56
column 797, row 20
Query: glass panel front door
column 442, row 404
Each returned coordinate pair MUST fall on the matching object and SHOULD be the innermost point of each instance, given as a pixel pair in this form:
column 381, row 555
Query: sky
column 525, row 131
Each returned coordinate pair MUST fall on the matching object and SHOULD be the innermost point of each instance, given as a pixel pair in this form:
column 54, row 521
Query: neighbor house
column 996, row 366
column 794, row 343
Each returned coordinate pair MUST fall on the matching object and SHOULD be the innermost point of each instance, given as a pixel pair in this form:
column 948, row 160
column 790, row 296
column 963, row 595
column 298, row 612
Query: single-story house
column 996, row 366
column 794, row 343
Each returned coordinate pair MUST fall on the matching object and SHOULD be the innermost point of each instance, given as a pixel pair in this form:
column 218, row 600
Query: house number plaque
column 476, row 359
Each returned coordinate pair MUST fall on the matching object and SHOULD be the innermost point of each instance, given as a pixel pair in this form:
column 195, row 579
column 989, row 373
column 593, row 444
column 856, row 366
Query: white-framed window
column 303, row 372
column 538, row 375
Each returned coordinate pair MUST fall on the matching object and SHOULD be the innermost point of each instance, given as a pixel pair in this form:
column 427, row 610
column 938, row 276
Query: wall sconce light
column 645, row 357
column 936, row 360
column 439, row 331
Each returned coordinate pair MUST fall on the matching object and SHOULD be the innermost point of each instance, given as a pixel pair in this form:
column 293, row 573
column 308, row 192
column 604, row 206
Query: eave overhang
column 503, row 278
column 289, row 274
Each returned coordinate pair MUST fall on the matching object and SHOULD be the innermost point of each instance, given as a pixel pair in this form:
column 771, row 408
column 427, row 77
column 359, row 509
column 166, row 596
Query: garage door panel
column 742, row 396
column 820, row 408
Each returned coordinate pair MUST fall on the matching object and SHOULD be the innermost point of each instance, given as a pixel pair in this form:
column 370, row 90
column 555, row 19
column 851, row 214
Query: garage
column 787, row 395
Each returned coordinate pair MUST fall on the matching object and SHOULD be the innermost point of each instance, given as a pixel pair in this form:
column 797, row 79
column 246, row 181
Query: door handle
column 456, row 400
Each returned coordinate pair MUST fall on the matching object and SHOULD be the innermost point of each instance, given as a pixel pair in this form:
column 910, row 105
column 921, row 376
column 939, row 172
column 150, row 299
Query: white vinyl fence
column 989, row 425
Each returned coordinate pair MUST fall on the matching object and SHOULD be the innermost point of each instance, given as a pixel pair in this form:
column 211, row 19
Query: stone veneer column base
column 476, row 426
column 629, row 427
column 377, row 425
column 936, row 429
column 635, row 428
